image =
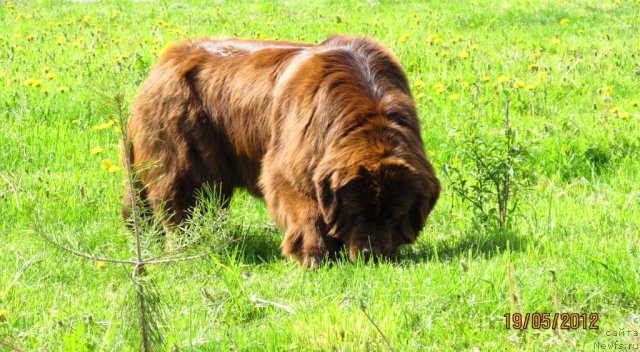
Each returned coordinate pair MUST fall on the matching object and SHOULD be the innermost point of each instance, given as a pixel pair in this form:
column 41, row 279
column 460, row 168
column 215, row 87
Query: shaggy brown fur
column 328, row 134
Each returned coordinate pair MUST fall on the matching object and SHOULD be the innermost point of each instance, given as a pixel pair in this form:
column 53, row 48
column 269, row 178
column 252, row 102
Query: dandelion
column 474, row 47
column 4, row 314
column 420, row 95
column 30, row 37
column 464, row 85
column 615, row 109
column 454, row 97
column 434, row 38
column 624, row 115
column 61, row 40
column 444, row 53
column 518, row 84
column 96, row 150
column 419, row 84
column 485, row 78
column 62, row 89
column 120, row 58
column 105, row 164
column 463, row 55
column 75, row 122
column 52, row 75
column 403, row 38
column 33, row 82
column 555, row 41
column 608, row 90
column 542, row 75
column 100, row 265
column 564, row 21
column 635, row 103
column 439, row 88
column 113, row 169
column 359, row 5
column 536, row 54
column 86, row 19
column 104, row 125
column 502, row 79
column 531, row 86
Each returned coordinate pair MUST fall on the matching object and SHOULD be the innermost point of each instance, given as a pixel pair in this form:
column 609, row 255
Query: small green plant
column 490, row 172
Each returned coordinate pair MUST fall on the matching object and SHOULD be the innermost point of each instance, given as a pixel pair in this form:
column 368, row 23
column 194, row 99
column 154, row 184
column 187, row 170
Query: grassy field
column 571, row 71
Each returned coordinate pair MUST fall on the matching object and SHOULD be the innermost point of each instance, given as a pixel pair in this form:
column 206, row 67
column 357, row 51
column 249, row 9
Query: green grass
column 578, row 106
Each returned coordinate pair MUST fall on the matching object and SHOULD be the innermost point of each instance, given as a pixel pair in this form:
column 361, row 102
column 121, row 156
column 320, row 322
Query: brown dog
column 328, row 134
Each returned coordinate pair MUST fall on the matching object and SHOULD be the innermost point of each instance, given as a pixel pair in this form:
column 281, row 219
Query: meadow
column 566, row 73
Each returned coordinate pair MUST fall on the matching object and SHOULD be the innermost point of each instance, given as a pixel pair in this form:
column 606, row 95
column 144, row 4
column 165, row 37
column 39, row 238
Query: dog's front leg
column 305, row 237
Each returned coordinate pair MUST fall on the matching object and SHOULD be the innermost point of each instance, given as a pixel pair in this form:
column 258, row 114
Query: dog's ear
column 428, row 195
column 328, row 200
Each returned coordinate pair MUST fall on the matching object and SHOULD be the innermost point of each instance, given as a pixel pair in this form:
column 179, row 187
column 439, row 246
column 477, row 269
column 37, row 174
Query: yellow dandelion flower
column 502, row 79
column 105, row 164
column 564, row 21
column 474, row 47
column 420, row 95
column 433, row 37
column 464, row 85
column 635, row 103
column 485, row 78
column 615, row 109
column 536, row 54
column 542, row 75
column 36, row 83
column 4, row 314
column 29, row 81
column 30, row 37
column 52, row 75
column 403, row 38
column 96, row 150
column 444, row 53
column 75, row 122
column 61, row 39
column 608, row 90
column 531, row 86
column 100, row 265
column 624, row 115
column 454, row 97
column 463, row 55
column 359, row 5
column 113, row 169
column 86, row 19
column 439, row 88
column 117, row 129
column 518, row 84
column 104, row 125
column 419, row 84
column 62, row 89
column 555, row 41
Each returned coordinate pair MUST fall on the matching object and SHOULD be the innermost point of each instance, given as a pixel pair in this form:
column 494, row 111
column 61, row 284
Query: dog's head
column 374, row 205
